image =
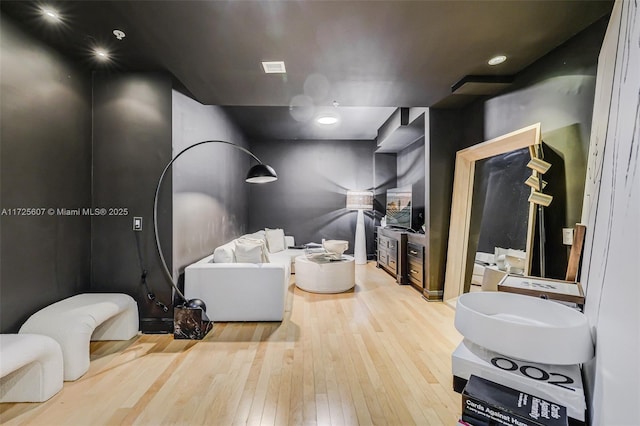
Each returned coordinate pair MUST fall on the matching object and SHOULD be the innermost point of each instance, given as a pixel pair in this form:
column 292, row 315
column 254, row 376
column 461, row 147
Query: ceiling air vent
column 274, row 67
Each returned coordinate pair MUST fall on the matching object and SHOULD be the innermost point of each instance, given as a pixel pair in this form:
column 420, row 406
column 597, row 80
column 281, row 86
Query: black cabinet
column 392, row 245
column 415, row 265
column 388, row 254
column 404, row 256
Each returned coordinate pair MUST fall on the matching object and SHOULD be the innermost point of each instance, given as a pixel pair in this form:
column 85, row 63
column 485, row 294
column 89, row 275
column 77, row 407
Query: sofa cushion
column 248, row 253
column 224, row 254
column 256, row 236
column 264, row 253
column 275, row 240
column 280, row 257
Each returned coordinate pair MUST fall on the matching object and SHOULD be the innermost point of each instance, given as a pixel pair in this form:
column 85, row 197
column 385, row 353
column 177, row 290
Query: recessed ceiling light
column 274, row 67
column 119, row 34
column 50, row 14
column 327, row 119
column 101, row 54
column 496, row 60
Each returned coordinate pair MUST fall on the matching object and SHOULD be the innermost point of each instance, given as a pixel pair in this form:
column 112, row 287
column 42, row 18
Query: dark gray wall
column 46, row 162
column 557, row 91
column 472, row 124
column 385, row 172
column 411, row 169
column 131, row 146
column 210, row 194
column 308, row 201
column 444, row 131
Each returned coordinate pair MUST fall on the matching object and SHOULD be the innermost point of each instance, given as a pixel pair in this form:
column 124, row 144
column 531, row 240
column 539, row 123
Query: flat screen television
column 399, row 207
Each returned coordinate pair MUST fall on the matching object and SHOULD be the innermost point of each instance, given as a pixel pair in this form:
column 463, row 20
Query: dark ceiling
column 356, row 53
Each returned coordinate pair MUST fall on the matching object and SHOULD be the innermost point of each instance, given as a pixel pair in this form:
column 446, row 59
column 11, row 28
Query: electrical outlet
column 567, row 236
column 137, row 223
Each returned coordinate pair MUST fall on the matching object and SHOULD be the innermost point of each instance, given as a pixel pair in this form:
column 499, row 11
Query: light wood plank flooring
column 377, row 355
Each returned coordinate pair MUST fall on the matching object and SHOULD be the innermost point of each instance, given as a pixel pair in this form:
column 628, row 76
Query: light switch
column 567, row 236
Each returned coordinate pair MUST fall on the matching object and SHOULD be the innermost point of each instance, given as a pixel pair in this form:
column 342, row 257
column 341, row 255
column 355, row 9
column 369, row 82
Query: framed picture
column 565, row 291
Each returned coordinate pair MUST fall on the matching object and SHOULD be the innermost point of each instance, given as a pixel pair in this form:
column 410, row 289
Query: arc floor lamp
column 260, row 173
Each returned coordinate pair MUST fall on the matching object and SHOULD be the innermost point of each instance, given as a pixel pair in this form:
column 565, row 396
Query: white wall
column 611, row 266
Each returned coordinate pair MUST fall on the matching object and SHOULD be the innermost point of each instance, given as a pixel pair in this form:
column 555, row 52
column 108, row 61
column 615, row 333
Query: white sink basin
column 524, row 327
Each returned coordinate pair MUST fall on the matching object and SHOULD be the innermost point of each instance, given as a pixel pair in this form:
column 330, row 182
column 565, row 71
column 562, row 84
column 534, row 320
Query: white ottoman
column 30, row 368
column 325, row 277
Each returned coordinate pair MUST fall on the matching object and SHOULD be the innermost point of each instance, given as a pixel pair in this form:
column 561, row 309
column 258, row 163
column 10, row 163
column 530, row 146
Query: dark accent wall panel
column 131, row 146
column 411, row 169
column 46, row 163
column 385, row 171
column 309, row 198
column 444, row 136
column 557, row 91
column 211, row 197
column 471, row 124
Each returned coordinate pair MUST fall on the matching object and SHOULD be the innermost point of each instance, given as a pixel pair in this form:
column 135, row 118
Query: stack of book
column 485, row 403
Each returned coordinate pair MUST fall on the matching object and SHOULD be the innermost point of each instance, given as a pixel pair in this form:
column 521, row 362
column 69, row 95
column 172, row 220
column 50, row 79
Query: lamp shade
column 359, row 200
column 261, row 173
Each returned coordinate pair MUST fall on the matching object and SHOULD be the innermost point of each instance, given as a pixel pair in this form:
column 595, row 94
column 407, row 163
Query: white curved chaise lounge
column 30, row 368
column 75, row 321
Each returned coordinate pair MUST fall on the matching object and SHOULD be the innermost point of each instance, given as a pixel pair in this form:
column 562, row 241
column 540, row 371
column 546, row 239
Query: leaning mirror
column 459, row 251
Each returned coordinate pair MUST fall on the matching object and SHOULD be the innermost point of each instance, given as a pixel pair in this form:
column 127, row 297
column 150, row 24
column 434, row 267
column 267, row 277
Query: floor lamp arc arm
column 155, row 203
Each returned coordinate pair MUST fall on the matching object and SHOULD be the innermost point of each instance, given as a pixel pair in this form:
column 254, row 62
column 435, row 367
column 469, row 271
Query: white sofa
column 242, row 291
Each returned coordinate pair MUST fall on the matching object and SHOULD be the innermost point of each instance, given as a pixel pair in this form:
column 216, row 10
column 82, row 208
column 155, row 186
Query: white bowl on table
column 336, row 247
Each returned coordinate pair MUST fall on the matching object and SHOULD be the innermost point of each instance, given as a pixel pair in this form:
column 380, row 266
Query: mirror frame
column 459, row 226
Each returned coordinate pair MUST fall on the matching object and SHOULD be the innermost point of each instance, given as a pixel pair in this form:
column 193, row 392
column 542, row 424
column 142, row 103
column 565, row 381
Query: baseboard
column 156, row 325
column 432, row 296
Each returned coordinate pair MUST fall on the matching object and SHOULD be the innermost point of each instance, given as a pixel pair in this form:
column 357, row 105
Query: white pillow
column 224, row 254
column 275, row 240
column 248, row 253
column 264, row 253
column 256, row 236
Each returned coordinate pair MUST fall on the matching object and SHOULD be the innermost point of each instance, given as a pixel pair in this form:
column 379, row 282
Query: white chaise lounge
column 30, row 368
column 75, row 321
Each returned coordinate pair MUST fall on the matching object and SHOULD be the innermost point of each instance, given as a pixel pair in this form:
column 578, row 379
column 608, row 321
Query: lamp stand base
column 360, row 248
column 188, row 323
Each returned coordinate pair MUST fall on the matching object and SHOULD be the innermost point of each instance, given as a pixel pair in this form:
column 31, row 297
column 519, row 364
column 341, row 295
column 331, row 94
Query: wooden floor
column 377, row 355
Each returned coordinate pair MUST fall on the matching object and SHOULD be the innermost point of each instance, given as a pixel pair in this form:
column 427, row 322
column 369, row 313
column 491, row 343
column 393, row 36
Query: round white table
column 324, row 276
